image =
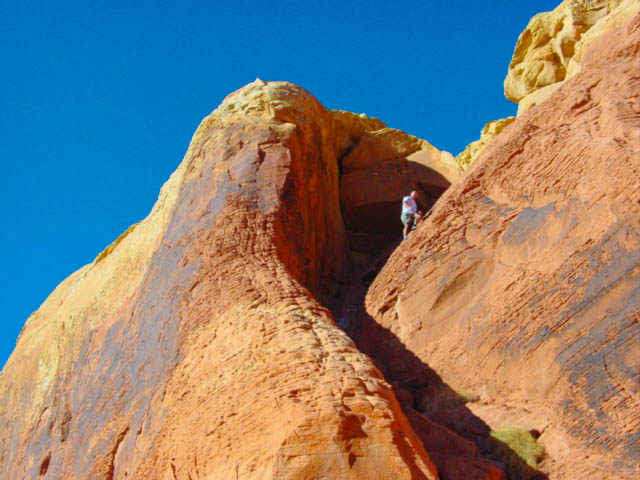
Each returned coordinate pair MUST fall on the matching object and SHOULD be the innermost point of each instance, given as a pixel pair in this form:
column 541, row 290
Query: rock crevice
column 521, row 289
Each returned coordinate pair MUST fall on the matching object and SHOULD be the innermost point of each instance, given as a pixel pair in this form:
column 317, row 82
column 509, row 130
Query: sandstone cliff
column 549, row 51
column 552, row 46
column 201, row 344
column 198, row 345
column 516, row 306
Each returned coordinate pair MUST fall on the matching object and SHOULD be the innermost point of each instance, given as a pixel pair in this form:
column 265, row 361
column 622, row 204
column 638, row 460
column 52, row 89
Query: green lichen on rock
column 467, row 395
column 516, row 445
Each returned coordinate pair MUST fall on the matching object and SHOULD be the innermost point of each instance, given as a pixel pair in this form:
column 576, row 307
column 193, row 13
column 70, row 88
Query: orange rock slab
column 522, row 291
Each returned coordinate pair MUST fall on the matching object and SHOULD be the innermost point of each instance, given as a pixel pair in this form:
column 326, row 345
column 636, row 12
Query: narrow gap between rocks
column 424, row 398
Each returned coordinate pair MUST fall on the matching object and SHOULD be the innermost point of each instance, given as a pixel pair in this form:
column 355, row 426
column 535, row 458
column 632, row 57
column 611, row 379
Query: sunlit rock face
column 198, row 345
column 544, row 49
column 549, row 51
column 552, row 47
column 202, row 344
column 490, row 131
column 522, row 291
column 620, row 13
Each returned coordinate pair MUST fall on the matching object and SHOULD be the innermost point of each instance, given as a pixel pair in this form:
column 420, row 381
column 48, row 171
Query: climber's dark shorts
column 407, row 218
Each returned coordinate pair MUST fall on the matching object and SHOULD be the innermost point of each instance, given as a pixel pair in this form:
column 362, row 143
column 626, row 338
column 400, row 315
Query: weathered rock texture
column 537, row 96
column 490, row 131
column 197, row 345
column 552, row 46
column 549, row 51
column 378, row 166
column 385, row 163
column 201, row 345
column 521, row 294
column 620, row 13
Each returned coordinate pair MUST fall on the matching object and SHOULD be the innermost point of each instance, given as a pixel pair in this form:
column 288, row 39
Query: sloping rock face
column 537, row 96
column 197, row 345
column 618, row 15
column 521, row 294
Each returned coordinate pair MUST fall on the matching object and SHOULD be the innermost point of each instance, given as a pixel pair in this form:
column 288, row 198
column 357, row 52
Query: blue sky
column 100, row 99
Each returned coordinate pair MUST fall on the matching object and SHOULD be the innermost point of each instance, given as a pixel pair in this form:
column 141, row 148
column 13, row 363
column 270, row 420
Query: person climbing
column 410, row 213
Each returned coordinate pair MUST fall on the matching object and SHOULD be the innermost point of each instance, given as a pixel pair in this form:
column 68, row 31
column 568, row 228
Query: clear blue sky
column 99, row 101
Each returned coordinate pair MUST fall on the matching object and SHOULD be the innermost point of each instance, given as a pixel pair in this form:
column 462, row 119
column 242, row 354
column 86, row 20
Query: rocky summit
column 552, row 47
column 266, row 321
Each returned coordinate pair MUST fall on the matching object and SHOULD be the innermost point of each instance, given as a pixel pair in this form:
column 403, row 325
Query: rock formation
column 549, row 51
column 490, row 131
column 386, row 162
column 202, row 342
column 516, row 306
column 198, row 345
column 552, row 46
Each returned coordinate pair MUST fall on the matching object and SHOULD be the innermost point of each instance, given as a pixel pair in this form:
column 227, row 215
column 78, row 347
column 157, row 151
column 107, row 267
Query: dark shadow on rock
column 459, row 443
column 422, row 393
column 372, row 211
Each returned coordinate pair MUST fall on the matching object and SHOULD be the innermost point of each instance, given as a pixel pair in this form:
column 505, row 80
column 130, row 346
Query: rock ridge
column 198, row 343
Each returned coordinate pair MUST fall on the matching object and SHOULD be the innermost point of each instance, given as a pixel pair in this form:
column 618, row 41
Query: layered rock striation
column 198, row 345
column 551, row 48
column 517, row 306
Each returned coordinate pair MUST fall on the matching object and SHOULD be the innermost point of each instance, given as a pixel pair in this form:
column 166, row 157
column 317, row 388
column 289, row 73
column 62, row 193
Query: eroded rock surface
column 544, row 49
column 549, row 51
column 620, row 13
column 377, row 172
column 520, row 297
column 197, row 345
column 551, row 48
column 490, row 131
column 200, row 344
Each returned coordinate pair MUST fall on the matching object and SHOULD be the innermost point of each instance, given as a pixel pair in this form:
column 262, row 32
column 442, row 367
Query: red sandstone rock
column 197, row 345
column 522, row 289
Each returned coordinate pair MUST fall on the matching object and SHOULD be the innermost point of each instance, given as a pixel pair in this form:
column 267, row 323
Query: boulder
column 618, row 13
column 545, row 48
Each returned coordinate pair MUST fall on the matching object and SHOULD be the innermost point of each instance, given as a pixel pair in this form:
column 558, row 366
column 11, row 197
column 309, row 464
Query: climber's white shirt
column 409, row 205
